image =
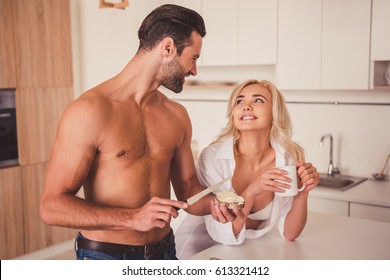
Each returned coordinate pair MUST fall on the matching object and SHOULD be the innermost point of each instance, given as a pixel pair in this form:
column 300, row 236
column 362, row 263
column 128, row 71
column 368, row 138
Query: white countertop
column 369, row 192
column 325, row 237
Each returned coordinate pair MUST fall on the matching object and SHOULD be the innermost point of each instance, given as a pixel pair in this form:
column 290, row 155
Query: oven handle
column 5, row 115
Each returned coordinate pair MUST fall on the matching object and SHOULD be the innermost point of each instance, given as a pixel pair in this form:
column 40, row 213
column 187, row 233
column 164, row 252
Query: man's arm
column 183, row 173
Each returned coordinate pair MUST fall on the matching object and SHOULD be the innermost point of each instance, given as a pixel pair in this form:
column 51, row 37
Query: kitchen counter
column 369, row 192
column 325, row 237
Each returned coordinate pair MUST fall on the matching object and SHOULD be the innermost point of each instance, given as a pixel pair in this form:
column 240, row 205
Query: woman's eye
column 259, row 100
column 239, row 101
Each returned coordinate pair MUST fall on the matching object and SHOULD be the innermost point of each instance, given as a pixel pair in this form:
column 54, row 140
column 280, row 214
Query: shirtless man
column 124, row 142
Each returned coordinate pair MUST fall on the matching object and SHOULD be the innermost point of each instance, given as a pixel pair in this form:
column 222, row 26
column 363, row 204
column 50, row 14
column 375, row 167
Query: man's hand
column 157, row 213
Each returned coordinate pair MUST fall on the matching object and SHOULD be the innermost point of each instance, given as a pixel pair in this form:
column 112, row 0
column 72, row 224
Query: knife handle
column 178, row 208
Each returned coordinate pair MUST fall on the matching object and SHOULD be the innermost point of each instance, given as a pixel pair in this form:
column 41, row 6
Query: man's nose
column 194, row 71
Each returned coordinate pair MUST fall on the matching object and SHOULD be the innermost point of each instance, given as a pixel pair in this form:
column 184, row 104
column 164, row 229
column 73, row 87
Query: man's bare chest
column 139, row 138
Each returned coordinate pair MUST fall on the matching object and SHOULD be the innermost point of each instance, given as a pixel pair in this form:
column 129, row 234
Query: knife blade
column 201, row 194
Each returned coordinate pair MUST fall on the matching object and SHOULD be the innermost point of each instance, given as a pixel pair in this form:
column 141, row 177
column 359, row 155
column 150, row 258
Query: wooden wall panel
column 43, row 44
column 37, row 234
column 11, row 213
column 38, row 113
column 7, row 46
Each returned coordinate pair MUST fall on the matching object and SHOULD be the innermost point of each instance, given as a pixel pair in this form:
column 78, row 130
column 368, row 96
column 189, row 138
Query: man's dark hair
column 170, row 21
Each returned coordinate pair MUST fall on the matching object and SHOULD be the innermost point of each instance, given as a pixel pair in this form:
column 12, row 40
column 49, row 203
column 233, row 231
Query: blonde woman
column 257, row 138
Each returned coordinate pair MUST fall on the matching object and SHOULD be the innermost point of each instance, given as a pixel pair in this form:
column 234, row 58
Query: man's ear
column 168, row 47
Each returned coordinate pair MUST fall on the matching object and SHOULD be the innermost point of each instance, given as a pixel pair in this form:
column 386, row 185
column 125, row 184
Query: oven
column 8, row 131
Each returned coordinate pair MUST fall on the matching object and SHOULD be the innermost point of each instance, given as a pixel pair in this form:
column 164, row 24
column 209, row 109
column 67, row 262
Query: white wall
column 104, row 40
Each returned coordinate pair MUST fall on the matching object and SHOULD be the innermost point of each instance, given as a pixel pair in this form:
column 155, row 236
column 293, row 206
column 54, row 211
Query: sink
column 339, row 182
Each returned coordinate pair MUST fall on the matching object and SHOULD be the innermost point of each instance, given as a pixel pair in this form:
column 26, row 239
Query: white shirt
column 216, row 162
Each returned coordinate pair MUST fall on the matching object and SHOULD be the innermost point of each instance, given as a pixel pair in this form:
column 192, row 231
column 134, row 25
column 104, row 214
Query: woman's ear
column 168, row 47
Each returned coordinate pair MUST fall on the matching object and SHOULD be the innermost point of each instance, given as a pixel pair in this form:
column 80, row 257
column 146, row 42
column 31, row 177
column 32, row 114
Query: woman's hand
column 274, row 180
column 308, row 175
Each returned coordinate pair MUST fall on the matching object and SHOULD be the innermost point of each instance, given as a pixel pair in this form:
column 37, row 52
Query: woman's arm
column 297, row 216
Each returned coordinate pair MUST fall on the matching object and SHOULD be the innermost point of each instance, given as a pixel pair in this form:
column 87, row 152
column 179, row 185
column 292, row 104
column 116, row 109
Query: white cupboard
column 239, row 32
column 380, row 44
column 380, row 35
column 371, row 212
column 220, row 46
column 299, row 44
column 257, row 27
column 345, row 44
column 328, row 206
column 323, row 44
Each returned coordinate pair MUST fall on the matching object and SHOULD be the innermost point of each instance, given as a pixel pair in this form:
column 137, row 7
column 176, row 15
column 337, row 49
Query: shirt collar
column 225, row 151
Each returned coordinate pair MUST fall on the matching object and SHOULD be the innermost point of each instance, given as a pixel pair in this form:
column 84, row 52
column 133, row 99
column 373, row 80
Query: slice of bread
column 230, row 199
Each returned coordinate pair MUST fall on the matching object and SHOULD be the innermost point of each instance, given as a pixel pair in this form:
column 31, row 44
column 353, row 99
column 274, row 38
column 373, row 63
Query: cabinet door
column 345, row 44
column 380, row 36
column 42, row 43
column 195, row 5
column 371, row 212
column 328, row 206
column 11, row 213
column 299, row 44
column 38, row 235
column 257, row 21
column 220, row 45
column 38, row 113
column 7, row 46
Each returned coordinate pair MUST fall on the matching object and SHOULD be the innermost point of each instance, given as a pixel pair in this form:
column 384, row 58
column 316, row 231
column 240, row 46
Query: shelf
column 380, row 68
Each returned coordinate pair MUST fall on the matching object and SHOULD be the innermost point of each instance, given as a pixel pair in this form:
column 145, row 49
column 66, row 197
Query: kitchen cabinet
column 201, row 113
column 37, row 35
column 371, row 212
column 257, row 27
column 380, row 44
column 195, row 5
column 220, row 45
column 328, row 206
column 239, row 32
column 7, row 46
column 38, row 113
column 380, row 36
column 43, row 48
column 11, row 213
column 323, row 44
column 37, row 234
column 299, row 44
column 345, row 44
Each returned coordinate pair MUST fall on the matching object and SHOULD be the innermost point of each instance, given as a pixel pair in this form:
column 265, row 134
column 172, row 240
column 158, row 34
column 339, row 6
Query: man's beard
column 173, row 75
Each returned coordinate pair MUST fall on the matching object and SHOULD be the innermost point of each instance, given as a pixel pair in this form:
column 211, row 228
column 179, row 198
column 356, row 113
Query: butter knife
column 201, row 194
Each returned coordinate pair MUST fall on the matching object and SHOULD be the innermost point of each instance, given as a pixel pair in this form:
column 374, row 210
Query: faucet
column 332, row 170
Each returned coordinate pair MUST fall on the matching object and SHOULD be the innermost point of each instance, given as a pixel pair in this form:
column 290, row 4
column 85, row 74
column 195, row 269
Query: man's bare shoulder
column 90, row 110
column 175, row 106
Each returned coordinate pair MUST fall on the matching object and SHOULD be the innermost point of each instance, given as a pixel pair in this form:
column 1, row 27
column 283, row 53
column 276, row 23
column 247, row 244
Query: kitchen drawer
column 371, row 212
column 328, row 206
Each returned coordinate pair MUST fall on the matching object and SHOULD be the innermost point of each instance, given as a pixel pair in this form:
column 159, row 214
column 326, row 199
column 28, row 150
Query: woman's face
column 253, row 109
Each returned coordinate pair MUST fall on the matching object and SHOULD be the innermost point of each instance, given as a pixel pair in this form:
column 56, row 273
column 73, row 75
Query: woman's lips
column 248, row 118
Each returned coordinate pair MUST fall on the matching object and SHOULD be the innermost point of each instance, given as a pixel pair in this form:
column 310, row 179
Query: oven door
column 8, row 138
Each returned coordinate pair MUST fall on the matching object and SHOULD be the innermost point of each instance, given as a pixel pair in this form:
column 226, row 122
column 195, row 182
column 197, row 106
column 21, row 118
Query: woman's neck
column 254, row 149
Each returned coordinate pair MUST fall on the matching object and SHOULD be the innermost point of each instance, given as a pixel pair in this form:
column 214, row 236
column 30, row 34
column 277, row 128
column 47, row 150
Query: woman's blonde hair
column 281, row 129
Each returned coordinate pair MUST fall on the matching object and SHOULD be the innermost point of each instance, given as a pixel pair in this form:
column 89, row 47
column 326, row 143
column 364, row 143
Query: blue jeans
column 83, row 254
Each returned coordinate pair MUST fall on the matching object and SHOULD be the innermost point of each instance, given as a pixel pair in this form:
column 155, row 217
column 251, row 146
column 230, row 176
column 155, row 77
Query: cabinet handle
column 5, row 115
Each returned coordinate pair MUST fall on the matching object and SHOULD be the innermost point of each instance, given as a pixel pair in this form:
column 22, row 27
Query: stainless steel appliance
column 8, row 132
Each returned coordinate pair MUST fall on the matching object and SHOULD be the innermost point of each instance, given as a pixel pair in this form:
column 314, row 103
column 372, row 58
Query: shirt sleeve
column 223, row 233
column 210, row 171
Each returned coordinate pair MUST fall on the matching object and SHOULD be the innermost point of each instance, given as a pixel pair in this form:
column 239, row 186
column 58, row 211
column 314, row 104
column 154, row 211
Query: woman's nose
column 247, row 107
